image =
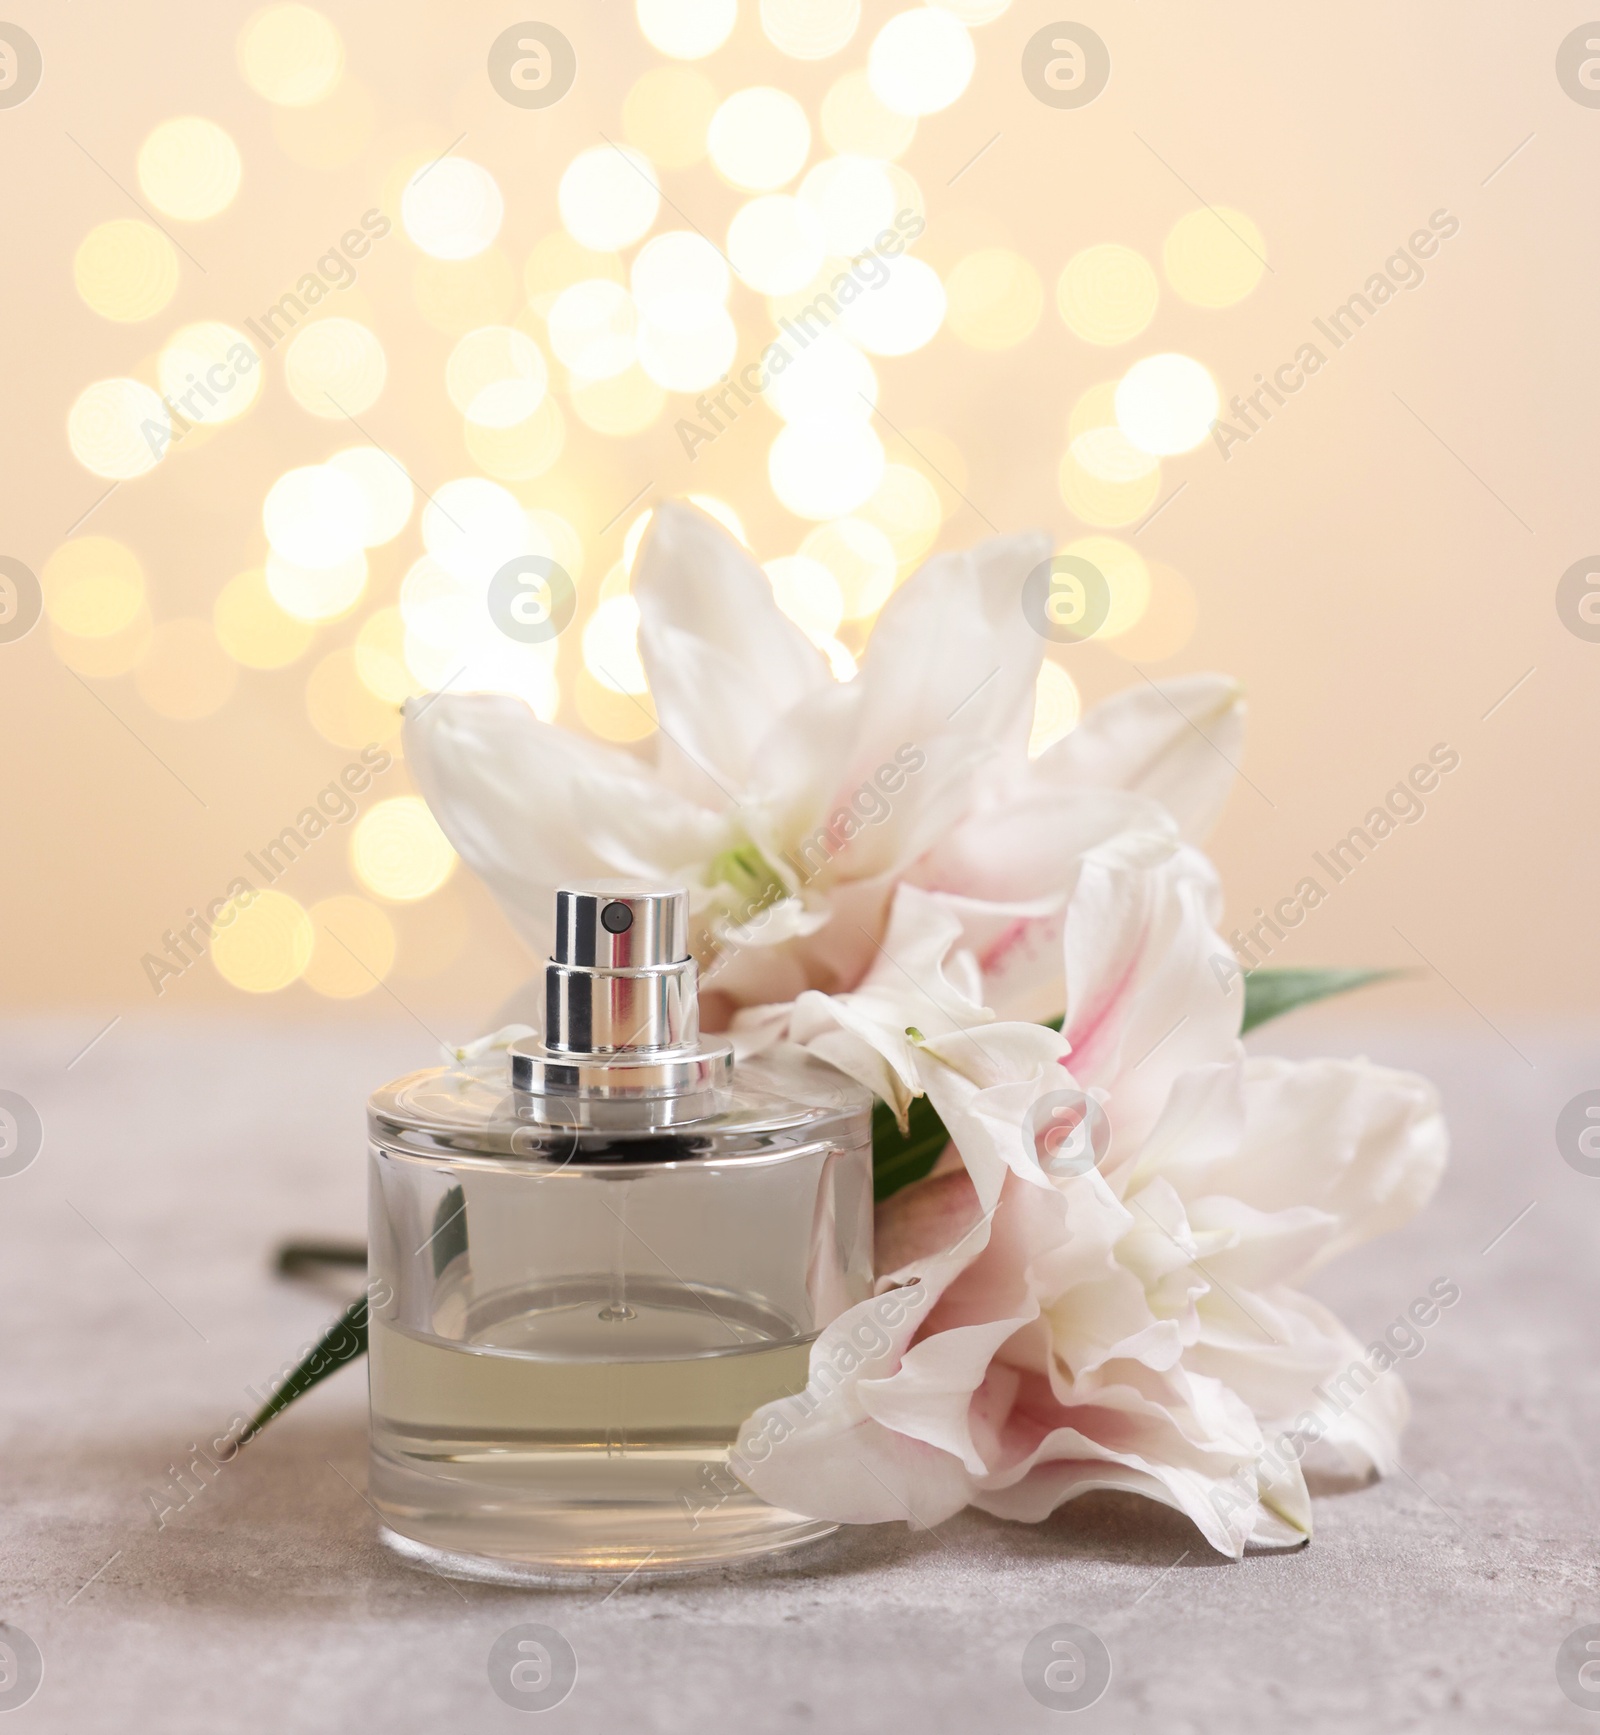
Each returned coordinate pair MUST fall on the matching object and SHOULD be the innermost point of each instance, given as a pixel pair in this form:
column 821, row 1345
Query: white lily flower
column 1133, row 1326
column 793, row 805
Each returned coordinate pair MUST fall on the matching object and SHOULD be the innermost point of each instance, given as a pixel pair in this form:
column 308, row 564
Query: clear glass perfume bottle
column 591, row 1266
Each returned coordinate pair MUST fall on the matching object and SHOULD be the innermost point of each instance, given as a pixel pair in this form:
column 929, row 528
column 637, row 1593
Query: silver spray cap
column 622, row 1016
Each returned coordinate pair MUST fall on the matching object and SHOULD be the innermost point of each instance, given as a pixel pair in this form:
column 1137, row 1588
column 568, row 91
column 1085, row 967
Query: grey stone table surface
column 139, row 1306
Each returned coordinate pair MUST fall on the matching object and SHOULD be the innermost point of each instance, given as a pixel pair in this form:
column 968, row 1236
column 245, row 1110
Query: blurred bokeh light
column 126, row 270
column 1214, row 257
column 189, row 168
column 290, row 54
column 398, row 851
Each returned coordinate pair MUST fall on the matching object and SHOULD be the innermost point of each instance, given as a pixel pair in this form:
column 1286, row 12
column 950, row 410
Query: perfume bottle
column 595, row 1257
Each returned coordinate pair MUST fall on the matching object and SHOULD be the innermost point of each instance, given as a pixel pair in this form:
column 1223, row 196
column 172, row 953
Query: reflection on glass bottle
column 600, row 1265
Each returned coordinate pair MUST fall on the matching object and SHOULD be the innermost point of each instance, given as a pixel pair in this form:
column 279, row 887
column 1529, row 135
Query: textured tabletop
column 139, row 1308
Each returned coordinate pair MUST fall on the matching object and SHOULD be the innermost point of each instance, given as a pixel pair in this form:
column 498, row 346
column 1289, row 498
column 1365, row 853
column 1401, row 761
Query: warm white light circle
column 921, row 61
column 592, row 326
column 290, row 54
column 452, row 208
column 776, row 244
column 316, row 516
column 830, row 377
column 189, row 168
column 825, row 468
column 384, row 485
column 678, row 279
column 210, row 372
column 1109, row 455
column 335, row 368
column 496, row 376
column 316, row 593
column 855, row 198
column 609, row 197
column 689, row 360
column 472, row 527
column 809, row 29
column 119, row 429
column 759, row 139
column 900, row 315
column 1166, row 404
column 687, row 29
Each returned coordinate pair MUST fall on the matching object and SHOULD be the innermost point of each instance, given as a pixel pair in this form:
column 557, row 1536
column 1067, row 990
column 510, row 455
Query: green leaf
column 342, row 1342
column 1271, row 993
column 899, row 1158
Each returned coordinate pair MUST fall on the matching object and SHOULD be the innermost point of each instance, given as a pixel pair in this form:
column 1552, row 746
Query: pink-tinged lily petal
column 923, row 1219
column 1143, row 1003
column 1052, row 1485
column 956, row 1425
column 1162, row 1250
column 983, row 1083
column 820, row 1452
column 1023, row 849
column 1008, row 871
column 1188, row 1440
column 886, row 813
column 917, row 983
column 844, row 1466
column 1178, row 742
column 1018, row 950
column 1201, row 1124
column 930, row 1396
column 528, row 806
column 1059, row 1245
column 1313, row 1384
column 723, row 660
column 1364, row 1144
column 1071, row 1463
column 1247, row 1249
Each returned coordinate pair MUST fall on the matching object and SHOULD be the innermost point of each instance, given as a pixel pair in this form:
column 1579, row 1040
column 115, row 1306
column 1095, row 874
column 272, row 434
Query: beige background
column 1376, row 592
